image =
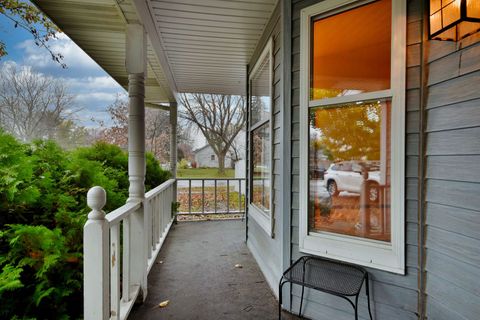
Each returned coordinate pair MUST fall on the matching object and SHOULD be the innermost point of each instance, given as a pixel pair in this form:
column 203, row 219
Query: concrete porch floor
column 195, row 271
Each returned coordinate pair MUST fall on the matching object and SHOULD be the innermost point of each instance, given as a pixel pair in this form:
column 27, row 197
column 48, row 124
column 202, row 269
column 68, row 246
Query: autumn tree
column 219, row 117
column 25, row 15
column 117, row 132
column 157, row 129
column 350, row 132
column 33, row 105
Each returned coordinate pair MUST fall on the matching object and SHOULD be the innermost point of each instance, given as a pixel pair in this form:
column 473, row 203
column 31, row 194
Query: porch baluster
column 115, row 272
column 228, row 196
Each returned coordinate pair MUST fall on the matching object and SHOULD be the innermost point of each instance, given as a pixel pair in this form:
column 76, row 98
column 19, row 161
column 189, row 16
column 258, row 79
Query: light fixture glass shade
column 453, row 20
column 473, row 9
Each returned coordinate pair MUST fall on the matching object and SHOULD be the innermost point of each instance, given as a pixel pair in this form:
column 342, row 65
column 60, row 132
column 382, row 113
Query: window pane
column 261, row 167
column 349, row 170
column 351, row 51
column 260, row 92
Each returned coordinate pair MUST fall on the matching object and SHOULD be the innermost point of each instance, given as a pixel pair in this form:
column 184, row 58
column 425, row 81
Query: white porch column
column 173, row 139
column 136, row 48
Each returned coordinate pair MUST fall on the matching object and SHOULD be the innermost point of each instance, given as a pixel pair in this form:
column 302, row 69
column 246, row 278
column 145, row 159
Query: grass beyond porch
column 204, row 173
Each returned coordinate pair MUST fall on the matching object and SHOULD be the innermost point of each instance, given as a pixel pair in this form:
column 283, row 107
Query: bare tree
column 31, row 104
column 69, row 135
column 157, row 132
column 219, row 117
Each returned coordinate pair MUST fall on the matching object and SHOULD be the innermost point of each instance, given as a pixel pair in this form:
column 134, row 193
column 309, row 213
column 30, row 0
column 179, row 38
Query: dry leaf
column 159, row 262
column 238, row 265
column 163, row 304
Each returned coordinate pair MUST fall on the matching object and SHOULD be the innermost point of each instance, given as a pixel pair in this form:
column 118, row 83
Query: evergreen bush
column 42, row 212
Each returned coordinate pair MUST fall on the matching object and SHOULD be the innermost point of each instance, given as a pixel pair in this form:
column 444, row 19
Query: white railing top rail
column 117, row 215
column 158, row 189
column 212, row 179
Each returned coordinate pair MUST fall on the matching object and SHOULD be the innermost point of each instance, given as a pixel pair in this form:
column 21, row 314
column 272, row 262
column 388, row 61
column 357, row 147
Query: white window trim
column 264, row 220
column 371, row 253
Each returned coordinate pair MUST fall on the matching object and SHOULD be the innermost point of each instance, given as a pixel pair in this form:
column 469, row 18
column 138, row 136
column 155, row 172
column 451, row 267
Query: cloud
column 89, row 83
column 41, row 58
column 96, row 96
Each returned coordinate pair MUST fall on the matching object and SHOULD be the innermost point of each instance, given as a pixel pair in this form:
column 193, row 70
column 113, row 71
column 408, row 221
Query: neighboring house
column 366, row 76
column 205, row 157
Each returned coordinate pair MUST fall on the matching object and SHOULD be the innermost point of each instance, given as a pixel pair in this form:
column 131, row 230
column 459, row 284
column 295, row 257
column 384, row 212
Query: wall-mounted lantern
column 453, row 20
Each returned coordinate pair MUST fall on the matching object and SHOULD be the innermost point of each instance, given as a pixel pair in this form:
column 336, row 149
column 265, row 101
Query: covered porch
column 424, row 266
column 136, row 256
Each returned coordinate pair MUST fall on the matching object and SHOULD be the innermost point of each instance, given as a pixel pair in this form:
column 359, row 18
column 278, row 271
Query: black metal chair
column 340, row 279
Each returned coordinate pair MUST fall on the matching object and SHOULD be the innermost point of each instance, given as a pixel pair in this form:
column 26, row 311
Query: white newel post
column 136, row 48
column 96, row 258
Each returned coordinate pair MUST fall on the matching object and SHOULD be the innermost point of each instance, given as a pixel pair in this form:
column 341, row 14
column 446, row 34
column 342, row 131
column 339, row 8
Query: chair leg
column 301, row 302
column 356, row 306
column 367, row 288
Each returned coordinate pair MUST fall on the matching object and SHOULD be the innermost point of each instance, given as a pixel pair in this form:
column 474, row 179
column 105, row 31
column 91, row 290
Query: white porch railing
column 113, row 274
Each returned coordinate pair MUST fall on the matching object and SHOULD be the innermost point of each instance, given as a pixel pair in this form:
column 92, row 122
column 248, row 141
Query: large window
column 260, row 105
column 352, row 132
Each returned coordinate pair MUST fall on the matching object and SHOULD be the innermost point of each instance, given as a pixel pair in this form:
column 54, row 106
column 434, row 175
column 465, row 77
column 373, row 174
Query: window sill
column 262, row 219
column 364, row 252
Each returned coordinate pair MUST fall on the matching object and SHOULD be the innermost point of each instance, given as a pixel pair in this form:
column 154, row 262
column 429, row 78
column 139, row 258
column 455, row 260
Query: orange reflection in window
column 351, row 51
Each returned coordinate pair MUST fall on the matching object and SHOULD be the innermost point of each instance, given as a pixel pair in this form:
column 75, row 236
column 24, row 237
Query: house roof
column 193, row 45
column 202, row 148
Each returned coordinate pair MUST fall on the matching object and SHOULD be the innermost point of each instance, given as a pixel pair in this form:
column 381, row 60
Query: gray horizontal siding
column 394, row 296
column 453, row 181
column 267, row 251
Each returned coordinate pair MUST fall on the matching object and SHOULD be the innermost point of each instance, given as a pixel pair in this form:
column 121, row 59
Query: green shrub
column 183, row 164
column 42, row 212
column 16, row 173
column 155, row 174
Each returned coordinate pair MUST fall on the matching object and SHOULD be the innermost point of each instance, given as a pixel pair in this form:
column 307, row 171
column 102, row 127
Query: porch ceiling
column 208, row 43
column 194, row 45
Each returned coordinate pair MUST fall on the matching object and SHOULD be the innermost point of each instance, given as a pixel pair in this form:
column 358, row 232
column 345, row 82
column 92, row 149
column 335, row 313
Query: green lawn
column 204, row 173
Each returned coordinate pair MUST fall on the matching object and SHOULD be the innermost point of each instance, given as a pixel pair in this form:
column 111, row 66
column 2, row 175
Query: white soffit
column 208, row 43
column 98, row 27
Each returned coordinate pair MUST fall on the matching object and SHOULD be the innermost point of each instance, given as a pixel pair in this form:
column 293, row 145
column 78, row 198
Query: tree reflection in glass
column 349, row 147
column 261, row 167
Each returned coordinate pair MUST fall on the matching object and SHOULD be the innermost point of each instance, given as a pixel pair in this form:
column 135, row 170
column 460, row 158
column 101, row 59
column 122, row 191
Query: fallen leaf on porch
column 159, row 262
column 238, row 265
column 163, row 304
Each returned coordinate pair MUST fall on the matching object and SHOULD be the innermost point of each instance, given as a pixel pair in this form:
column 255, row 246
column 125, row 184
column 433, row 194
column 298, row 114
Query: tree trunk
column 221, row 163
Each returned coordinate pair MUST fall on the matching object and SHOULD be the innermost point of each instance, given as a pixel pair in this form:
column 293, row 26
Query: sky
column 92, row 87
